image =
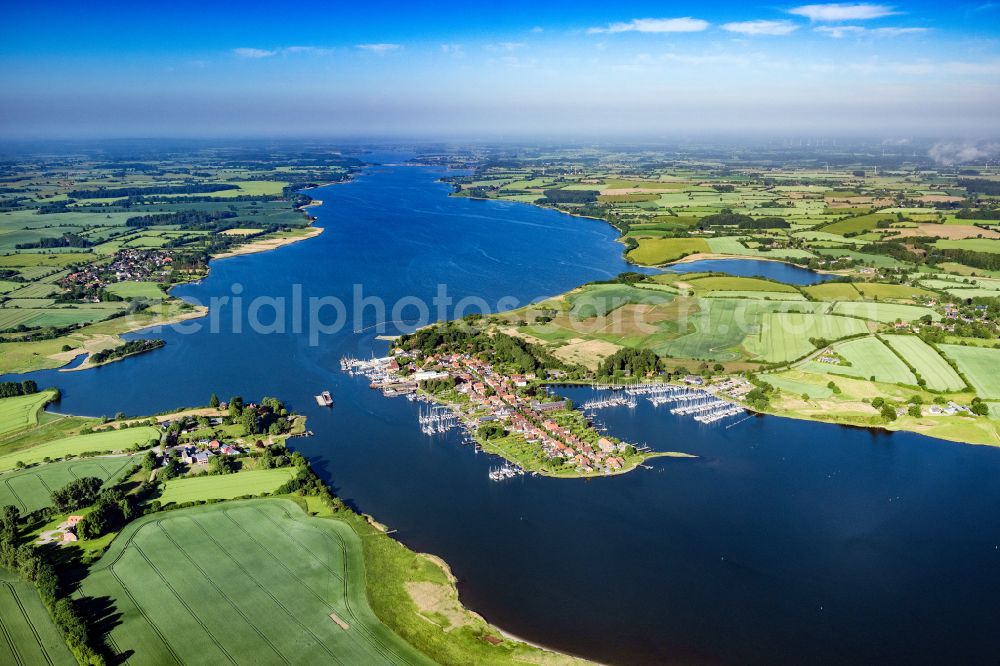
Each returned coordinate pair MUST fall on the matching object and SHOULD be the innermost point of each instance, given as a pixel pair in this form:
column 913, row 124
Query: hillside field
column 938, row 374
column 248, row 582
column 226, row 486
column 21, row 412
column 27, row 634
column 30, row 489
column 112, row 440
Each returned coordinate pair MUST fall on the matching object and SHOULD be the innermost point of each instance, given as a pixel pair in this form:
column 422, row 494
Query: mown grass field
column 981, row 367
column 21, row 412
column 869, row 357
column 30, row 489
column 245, row 582
column 27, row 635
column 784, row 336
column 936, row 371
column 833, row 291
column 899, row 292
column 797, row 387
column 225, row 486
column 113, row 440
column 655, row 251
column 974, row 244
column 128, row 290
column 884, row 312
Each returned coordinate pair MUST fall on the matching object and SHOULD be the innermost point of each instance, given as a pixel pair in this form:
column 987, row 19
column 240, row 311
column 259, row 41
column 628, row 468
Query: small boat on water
column 324, row 399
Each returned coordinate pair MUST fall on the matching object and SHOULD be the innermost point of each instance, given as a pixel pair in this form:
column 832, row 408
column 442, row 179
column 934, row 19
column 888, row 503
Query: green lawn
column 30, row 489
column 27, row 634
column 21, row 412
column 226, row 486
column 981, row 366
column 113, row 440
column 246, row 582
column 937, row 372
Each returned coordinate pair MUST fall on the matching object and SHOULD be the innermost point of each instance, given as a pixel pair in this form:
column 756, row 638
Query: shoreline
column 267, row 244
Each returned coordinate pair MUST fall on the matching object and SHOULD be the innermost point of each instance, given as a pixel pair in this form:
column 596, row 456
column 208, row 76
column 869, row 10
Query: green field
column 833, row 291
column 937, row 372
column 899, row 292
column 113, row 440
column 974, row 244
column 29, row 489
column 981, row 367
column 784, row 336
column 797, row 388
column 856, row 224
column 57, row 260
column 27, row 634
column 21, row 412
column 225, row 486
column 128, row 290
column 884, row 312
column 869, row 357
column 246, row 582
column 655, row 251
column 717, row 283
column 600, row 299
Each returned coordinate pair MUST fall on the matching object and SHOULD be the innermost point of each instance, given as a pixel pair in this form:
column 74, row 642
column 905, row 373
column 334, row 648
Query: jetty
column 324, row 399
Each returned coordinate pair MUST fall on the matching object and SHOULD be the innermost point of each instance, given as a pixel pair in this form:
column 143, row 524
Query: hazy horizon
column 457, row 71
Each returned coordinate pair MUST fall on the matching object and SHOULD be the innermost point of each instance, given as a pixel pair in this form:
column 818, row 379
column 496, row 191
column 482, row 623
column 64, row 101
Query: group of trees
column 268, row 417
column 562, row 196
column 32, row 565
column 76, row 494
column 13, row 389
column 186, row 219
column 464, row 337
column 629, row 362
column 116, row 192
column 112, row 509
column 728, row 218
column 68, row 239
column 128, row 349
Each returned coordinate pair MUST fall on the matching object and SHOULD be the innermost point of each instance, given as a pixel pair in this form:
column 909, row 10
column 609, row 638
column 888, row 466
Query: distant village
column 491, row 397
column 127, row 265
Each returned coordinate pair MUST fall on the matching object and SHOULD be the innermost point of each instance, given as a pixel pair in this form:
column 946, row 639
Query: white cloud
column 245, row 52
column 537, row 29
column 308, row 50
column 967, row 151
column 840, row 31
column 683, row 24
column 284, row 50
column 454, row 50
column 761, row 27
column 505, row 46
column 843, row 11
column 380, row 49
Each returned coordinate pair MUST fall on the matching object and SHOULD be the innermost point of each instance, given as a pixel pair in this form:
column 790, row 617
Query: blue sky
column 516, row 69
